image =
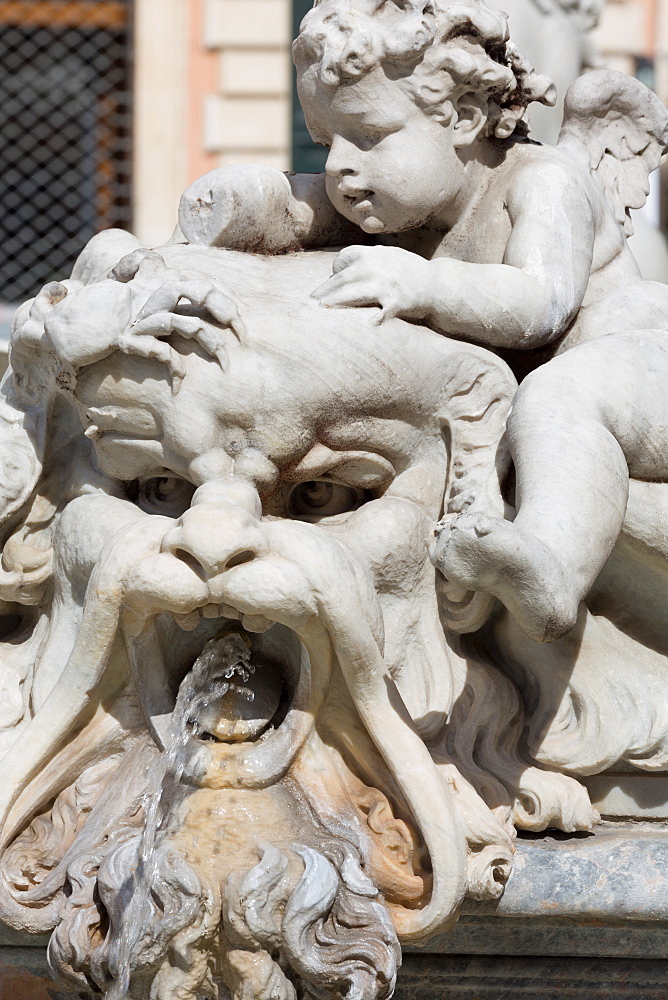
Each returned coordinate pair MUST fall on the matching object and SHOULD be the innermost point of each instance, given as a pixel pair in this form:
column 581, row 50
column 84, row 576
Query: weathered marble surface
column 604, row 893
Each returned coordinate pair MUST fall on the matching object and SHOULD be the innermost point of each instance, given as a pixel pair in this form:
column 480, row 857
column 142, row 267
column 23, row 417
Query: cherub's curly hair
column 438, row 49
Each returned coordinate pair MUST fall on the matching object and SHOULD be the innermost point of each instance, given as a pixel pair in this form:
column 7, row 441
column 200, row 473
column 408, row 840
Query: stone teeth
column 188, row 622
column 213, row 611
column 227, row 611
column 256, row 623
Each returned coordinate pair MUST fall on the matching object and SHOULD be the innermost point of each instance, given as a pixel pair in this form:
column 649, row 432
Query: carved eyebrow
column 363, row 469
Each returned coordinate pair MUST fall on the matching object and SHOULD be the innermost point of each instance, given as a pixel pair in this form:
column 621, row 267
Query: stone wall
column 247, row 120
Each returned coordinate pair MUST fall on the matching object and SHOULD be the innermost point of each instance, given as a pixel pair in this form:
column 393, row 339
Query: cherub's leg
column 578, row 426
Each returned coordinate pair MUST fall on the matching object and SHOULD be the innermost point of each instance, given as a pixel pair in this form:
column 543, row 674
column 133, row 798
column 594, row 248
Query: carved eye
column 167, row 495
column 322, row 498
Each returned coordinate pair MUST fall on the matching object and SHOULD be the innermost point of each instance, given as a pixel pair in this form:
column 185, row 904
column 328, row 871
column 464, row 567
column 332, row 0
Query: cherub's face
column 391, row 168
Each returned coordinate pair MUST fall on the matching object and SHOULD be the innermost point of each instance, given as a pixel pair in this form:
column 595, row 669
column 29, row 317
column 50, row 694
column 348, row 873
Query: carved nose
column 214, row 538
column 339, row 162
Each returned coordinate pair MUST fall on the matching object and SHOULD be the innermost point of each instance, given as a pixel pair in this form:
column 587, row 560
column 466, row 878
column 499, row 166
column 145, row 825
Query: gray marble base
column 23, row 976
column 584, row 916
column 588, row 895
column 467, row 977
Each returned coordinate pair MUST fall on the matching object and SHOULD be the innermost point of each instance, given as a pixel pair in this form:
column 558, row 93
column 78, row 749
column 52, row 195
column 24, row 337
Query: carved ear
column 393, row 858
column 477, row 398
column 23, row 435
column 471, row 118
column 21, row 454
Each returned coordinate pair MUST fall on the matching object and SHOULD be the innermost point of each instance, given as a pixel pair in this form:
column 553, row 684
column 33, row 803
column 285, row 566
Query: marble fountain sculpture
column 307, row 607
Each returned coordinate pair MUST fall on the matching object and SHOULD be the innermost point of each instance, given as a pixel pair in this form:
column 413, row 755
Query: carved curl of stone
column 253, row 739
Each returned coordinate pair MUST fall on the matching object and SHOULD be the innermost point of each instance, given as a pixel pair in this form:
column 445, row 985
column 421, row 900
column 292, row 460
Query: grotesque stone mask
column 253, row 754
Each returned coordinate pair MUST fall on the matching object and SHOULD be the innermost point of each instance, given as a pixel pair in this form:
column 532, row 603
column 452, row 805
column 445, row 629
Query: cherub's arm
column 262, row 210
column 532, row 297
column 524, row 302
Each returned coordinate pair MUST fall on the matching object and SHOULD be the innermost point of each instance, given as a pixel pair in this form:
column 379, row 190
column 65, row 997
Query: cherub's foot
column 493, row 556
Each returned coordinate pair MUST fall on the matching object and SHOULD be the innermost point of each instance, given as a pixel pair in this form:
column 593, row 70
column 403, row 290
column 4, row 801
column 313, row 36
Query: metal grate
column 65, row 134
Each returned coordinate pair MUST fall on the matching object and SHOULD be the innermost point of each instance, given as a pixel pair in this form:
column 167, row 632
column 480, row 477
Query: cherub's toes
column 473, row 523
column 443, row 534
column 462, row 521
column 444, row 526
column 143, row 260
column 461, row 501
column 484, row 525
column 458, row 552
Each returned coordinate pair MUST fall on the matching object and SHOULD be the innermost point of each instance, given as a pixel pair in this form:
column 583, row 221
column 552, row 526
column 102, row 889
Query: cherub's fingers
column 351, row 276
column 164, row 299
column 199, row 293
column 147, row 346
column 321, row 291
column 224, row 310
column 209, row 337
column 213, row 342
column 189, row 327
column 168, row 295
column 163, row 324
column 355, row 293
column 389, row 309
column 346, row 257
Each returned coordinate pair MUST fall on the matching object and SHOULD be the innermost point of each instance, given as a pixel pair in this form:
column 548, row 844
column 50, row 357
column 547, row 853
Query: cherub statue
column 480, row 233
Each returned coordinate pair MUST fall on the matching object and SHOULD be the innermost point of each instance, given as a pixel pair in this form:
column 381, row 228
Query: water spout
column 222, row 664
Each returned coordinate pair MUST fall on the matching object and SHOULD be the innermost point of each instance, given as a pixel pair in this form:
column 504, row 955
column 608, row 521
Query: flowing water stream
column 223, row 666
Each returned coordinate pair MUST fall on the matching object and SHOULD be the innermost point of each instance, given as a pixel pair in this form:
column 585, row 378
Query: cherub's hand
column 396, row 280
column 160, row 316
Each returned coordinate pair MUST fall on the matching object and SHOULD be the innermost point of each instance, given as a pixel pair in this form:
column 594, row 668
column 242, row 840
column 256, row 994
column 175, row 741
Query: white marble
column 307, row 607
